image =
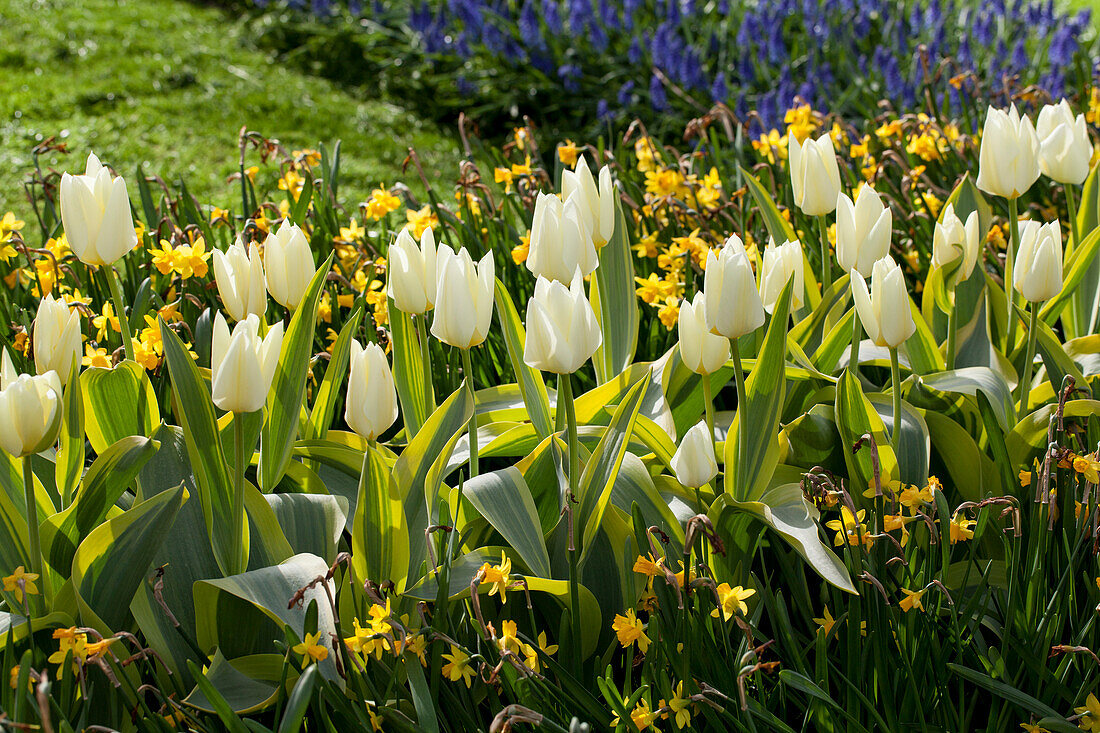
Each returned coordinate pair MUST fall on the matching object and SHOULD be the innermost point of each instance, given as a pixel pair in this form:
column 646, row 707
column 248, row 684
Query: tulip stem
column 1010, row 290
column 468, row 370
column 857, row 337
column 952, row 333
column 238, row 557
column 739, row 382
column 120, row 308
column 421, row 325
column 565, row 398
column 32, row 521
column 1071, row 204
column 708, row 406
column 826, row 258
column 895, row 382
column 1025, row 383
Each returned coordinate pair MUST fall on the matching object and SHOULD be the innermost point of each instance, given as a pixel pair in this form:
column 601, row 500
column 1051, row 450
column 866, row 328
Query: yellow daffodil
column 1088, row 467
column 458, row 666
column 826, row 622
column 912, row 600
column 19, row 581
column 679, row 708
column 961, row 528
column 310, row 649
column 380, row 203
column 1090, row 714
column 499, row 576
column 568, row 152
column 732, row 601
column 630, row 630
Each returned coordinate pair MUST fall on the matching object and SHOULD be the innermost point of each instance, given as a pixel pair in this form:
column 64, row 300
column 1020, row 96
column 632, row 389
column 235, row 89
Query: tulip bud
column 1064, row 147
column 702, row 351
column 240, row 279
column 562, row 333
column 732, row 307
column 884, row 311
column 863, row 230
column 814, row 174
column 289, row 264
column 597, row 206
column 95, row 210
column 7, row 370
column 1037, row 271
column 693, row 463
column 411, row 272
column 560, row 240
column 952, row 240
column 781, row 264
column 372, row 398
column 463, row 298
column 1008, row 160
column 56, row 338
column 30, row 414
column 241, row 365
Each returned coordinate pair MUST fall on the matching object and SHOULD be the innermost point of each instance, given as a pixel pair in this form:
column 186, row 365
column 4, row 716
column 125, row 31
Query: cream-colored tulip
column 56, row 338
column 30, row 413
column 562, row 332
column 693, row 462
column 732, row 307
column 884, row 311
column 1037, row 271
column 781, row 264
column 463, row 298
column 1064, row 146
column 242, row 365
column 701, row 351
column 953, row 240
column 411, row 272
column 814, row 174
column 597, row 204
column 1008, row 162
column 240, row 280
column 95, row 210
column 560, row 239
column 288, row 263
column 7, row 369
column 863, row 230
column 372, row 398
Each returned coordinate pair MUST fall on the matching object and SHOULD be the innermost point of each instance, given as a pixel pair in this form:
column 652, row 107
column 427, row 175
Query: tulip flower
column 56, row 338
column 30, row 414
column 732, row 306
column 702, row 351
column 694, row 463
column 463, row 298
column 597, row 205
column 7, row 370
column 1064, row 146
column 95, row 211
column 240, row 280
column 816, row 181
column 863, row 230
column 562, row 333
column 1038, row 276
column 781, row 264
column 954, row 240
column 561, row 241
column 411, row 272
column 242, row 365
column 288, row 262
column 372, row 398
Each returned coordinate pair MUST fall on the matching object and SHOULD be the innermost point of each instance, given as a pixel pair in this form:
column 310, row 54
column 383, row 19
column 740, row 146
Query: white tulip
column 781, row 264
column 702, row 351
column 863, row 230
column 884, row 311
column 95, row 211
column 1037, row 271
column 1064, row 146
column 732, row 307
column 463, row 298
column 1008, row 160
column 693, row 463
column 814, row 174
column 372, row 398
column 7, row 370
column 560, row 239
column 242, row 365
column 288, row 263
column 411, row 272
column 597, row 205
column 30, row 413
column 240, row 280
column 562, row 333
column 953, row 239
column 56, row 338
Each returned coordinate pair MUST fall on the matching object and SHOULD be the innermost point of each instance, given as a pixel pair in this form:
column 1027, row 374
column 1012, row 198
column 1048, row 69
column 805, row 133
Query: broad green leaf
column 414, row 389
column 312, row 523
column 914, row 447
column 615, row 302
column 970, row 381
column 247, row 684
column 118, row 402
column 504, row 500
column 299, row 701
column 379, row 539
column 633, row 486
column 921, row 348
column 855, row 417
column 288, row 388
column 1057, row 362
column 1079, row 265
column 531, row 384
column 333, row 383
column 779, row 229
column 970, row 471
column 70, row 453
column 1028, row 440
column 1086, row 297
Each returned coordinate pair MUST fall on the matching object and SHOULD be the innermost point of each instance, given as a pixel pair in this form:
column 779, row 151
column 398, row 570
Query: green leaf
column 532, row 387
column 118, row 402
column 970, row 381
column 779, row 229
column 219, row 705
column 312, row 523
column 1027, row 703
column 615, row 302
column 70, row 453
column 379, row 539
column 414, row 389
column 914, row 451
column 423, row 701
column 504, row 499
column 321, row 416
column 298, row 703
column 243, row 685
column 855, row 417
column 970, row 471
column 1079, row 265
column 288, row 389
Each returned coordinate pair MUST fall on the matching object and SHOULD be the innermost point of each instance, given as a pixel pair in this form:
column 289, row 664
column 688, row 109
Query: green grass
column 168, row 85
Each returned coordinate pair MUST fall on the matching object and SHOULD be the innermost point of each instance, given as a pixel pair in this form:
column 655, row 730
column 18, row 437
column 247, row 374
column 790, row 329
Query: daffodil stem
column 565, row 399
column 895, row 383
column 238, row 558
column 1025, row 382
column 468, row 371
column 826, row 258
column 739, row 382
column 120, row 310
column 32, row 520
column 952, row 333
column 1010, row 290
column 857, row 336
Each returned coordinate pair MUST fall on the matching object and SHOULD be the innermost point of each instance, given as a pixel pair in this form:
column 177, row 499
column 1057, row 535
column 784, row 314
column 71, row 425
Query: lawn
column 168, row 84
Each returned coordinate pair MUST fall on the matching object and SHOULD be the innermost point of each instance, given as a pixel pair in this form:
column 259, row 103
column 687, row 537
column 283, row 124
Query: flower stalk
column 120, row 310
